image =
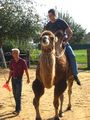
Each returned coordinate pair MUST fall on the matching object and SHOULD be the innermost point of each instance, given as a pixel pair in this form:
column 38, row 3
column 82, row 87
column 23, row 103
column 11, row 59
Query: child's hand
column 28, row 81
column 7, row 82
column 64, row 44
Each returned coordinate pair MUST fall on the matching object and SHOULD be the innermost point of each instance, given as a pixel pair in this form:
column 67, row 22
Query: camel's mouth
column 45, row 41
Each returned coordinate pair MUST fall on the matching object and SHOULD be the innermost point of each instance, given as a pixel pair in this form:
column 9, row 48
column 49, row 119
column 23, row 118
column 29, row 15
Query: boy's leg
column 14, row 89
column 18, row 95
column 72, row 59
column 17, row 88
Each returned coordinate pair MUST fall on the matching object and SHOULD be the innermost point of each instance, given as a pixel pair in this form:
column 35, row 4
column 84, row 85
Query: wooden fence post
column 88, row 58
column 3, row 58
column 28, row 58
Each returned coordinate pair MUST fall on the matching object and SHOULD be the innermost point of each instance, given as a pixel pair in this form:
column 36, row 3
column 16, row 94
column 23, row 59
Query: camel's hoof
column 56, row 118
column 61, row 114
column 69, row 108
column 38, row 118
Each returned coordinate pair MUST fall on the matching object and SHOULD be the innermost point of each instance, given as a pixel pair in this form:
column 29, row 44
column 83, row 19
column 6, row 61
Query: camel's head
column 48, row 40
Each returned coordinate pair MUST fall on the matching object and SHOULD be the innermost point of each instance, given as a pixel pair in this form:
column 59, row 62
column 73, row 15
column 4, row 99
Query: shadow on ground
column 7, row 116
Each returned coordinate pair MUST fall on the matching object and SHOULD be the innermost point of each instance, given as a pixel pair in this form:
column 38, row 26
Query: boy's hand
column 28, row 81
column 7, row 82
column 64, row 44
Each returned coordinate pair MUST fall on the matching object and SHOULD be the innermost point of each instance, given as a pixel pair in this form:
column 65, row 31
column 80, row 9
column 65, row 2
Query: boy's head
column 15, row 52
column 52, row 14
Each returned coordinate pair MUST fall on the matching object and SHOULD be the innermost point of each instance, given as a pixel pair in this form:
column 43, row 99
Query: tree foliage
column 78, row 32
column 18, row 20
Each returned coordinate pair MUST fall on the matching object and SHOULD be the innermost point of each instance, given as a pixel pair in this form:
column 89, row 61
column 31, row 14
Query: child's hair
column 52, row 11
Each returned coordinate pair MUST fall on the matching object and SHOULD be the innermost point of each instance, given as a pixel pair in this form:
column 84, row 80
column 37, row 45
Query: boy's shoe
column 77, row 80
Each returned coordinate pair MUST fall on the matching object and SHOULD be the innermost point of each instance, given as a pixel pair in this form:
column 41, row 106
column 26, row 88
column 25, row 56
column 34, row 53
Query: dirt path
column 80, row 101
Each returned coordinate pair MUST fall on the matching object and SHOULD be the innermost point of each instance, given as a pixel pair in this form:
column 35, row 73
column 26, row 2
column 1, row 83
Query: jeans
column 72, row 59
column 17, row 89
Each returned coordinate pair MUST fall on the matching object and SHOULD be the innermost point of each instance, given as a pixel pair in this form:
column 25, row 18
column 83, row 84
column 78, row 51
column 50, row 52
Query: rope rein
column 58, row 56
column 62, row 51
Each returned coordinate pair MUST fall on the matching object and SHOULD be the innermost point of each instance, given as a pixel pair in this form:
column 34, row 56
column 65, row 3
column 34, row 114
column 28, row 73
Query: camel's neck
column 47, row 68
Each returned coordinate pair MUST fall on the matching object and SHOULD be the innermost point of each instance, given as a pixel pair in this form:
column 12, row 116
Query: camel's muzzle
column 45, row 41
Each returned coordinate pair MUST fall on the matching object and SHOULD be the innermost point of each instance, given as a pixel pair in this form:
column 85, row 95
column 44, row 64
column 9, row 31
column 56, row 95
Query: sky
column 78, row 9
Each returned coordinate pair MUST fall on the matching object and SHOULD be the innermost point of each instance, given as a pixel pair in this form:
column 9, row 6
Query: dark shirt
column 59, row 24
column 18, row 68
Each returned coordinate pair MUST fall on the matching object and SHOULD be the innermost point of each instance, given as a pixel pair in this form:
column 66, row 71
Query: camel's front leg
column 38, row 89
column 56, row 102
column 60, row 87
column 36, row 105
column 56, row 105
column 70, row 84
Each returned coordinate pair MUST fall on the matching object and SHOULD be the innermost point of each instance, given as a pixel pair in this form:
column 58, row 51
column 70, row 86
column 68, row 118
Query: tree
column 87, row 38
column 78, row 32
column 18, row 21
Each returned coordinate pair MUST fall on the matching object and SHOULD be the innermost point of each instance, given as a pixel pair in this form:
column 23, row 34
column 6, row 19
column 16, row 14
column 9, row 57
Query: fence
column 86, row 47
column 34, row 59
column 81, row 47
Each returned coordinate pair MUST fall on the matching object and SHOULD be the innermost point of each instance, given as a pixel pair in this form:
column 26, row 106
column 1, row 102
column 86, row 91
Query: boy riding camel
column 58, row 24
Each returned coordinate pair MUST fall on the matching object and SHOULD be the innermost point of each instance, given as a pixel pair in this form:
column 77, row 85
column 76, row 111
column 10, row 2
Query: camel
column 53, row 69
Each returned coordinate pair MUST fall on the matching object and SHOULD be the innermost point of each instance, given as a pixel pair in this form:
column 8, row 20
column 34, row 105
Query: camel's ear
column 56, row 39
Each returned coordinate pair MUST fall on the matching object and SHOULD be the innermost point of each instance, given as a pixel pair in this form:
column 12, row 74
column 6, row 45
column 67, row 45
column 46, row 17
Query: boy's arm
column 10, row 75
column 27, row 74
column 69, row 33
column 68, row 36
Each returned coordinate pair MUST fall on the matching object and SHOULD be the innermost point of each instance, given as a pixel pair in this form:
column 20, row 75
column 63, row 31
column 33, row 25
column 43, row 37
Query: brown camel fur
column 53, row 69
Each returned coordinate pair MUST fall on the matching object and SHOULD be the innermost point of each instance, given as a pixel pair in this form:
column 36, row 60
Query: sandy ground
column 80, row 100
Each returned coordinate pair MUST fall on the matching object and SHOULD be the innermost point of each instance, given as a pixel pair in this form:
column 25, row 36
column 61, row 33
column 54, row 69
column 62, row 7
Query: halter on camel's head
column 48, row 41
column 48, row 58
column 52, row 42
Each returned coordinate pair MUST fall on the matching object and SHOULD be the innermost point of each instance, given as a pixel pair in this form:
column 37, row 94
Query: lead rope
column 58, row 56
column 8, row 91
column 63, row 51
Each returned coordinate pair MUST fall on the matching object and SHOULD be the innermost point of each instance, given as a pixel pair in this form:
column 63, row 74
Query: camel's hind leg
column 58, row 91
column 70, row 84
column 38, row 89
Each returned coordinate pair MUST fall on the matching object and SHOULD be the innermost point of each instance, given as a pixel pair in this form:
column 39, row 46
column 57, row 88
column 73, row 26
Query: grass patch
column 35, row 53
column 81, row 56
